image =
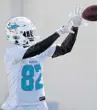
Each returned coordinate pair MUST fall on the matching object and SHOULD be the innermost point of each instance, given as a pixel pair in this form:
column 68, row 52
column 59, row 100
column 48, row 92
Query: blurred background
column 70, row 80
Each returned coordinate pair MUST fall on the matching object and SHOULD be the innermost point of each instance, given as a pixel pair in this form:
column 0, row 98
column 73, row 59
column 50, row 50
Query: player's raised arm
column 46, row 43
column 69, row 41
column 41, row 46
column 60, row 50
column 67, row 44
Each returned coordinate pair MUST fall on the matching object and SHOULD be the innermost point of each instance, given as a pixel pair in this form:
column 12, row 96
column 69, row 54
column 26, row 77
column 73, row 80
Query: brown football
column 90, row 13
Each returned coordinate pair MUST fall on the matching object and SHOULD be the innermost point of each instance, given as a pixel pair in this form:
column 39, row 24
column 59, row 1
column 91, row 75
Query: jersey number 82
column 28, row 72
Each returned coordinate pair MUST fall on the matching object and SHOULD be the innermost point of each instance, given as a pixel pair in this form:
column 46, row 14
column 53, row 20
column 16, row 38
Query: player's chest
column 31, row 75
column 32, row 65
column 31, row 61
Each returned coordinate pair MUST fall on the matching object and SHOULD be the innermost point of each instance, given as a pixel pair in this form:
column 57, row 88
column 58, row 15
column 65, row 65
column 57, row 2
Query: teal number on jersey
column 27, row 82
column 27, row 75
column 38, row 85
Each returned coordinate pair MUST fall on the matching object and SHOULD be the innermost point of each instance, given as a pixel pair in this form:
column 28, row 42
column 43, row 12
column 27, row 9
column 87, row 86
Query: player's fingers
column 78, row 8
column 75, row 9
column 81, row 10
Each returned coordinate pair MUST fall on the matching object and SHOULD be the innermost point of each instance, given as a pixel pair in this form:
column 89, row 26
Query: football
column 90, row 13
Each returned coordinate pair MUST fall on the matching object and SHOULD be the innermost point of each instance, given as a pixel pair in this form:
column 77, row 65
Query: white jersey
column 25, row 78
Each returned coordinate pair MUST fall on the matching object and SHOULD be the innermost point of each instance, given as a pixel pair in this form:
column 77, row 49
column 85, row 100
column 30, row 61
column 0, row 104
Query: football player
column 23, row 60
